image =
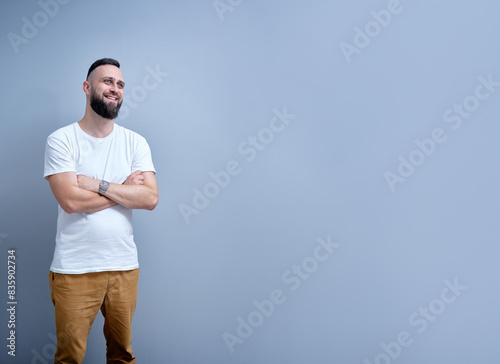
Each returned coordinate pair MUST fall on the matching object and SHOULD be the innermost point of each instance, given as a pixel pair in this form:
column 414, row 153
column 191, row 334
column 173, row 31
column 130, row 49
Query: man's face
column 106, row 91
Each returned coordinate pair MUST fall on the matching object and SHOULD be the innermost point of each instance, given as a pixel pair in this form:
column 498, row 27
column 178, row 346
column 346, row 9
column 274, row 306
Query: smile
column 113, row 98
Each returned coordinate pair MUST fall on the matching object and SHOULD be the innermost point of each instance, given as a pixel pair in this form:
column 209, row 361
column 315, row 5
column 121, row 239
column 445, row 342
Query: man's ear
column 86, row 87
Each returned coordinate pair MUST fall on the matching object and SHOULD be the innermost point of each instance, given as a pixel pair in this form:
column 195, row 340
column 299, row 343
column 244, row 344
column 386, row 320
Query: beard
column 101, row 108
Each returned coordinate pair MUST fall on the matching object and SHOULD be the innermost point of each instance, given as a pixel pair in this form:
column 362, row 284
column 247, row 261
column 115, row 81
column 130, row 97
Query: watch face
column 103, row 187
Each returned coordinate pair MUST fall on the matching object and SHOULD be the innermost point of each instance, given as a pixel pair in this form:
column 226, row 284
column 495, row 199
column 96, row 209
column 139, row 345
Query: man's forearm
column 133, row 196
column 87, row 202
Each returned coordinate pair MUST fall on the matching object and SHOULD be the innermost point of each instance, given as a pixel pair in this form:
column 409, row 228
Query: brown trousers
column 78, row 297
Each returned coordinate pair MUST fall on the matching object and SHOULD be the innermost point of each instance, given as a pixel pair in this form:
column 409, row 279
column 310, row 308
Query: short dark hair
column 101, row 62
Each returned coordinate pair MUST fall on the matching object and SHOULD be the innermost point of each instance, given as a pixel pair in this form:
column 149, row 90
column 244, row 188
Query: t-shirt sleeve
column 142, row 158
column 58, row 156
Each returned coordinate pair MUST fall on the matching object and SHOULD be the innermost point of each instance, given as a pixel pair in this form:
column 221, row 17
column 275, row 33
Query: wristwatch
column 103, row 187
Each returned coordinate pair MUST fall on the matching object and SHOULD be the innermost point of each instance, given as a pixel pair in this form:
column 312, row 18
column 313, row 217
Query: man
column 98, row 172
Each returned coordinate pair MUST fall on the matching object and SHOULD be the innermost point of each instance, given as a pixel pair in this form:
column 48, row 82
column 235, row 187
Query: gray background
column 321, row 177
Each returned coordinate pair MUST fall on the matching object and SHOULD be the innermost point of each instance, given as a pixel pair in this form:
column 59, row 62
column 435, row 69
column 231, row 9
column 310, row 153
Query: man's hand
column 139, row 191
column 135, row 178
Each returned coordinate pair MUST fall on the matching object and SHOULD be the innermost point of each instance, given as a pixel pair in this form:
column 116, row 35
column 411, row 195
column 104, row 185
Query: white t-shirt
column 103, row 240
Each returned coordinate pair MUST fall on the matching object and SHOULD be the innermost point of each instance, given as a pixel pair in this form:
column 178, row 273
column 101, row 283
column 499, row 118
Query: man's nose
column 114, row 88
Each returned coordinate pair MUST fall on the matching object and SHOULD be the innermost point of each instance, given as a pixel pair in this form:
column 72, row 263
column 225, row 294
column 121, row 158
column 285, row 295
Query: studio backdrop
column 328, row 173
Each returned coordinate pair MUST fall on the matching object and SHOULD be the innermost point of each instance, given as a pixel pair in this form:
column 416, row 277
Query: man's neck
column 95, row 125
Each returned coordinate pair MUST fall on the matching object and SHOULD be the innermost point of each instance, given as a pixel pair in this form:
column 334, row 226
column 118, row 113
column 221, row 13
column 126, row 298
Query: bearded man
column 98, row 172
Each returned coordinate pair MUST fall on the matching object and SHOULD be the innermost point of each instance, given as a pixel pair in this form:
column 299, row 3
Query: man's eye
column 107, row 81
column 121, row 85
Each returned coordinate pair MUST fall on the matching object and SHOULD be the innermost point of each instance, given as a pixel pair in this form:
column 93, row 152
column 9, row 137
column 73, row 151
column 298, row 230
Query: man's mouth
column 112, row 98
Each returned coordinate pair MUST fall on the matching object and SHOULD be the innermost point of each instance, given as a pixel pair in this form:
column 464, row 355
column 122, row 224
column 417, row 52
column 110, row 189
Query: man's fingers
column 135, row 178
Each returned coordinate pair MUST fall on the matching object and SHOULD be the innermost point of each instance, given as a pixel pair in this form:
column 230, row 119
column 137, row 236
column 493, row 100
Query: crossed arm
column 79, row 193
